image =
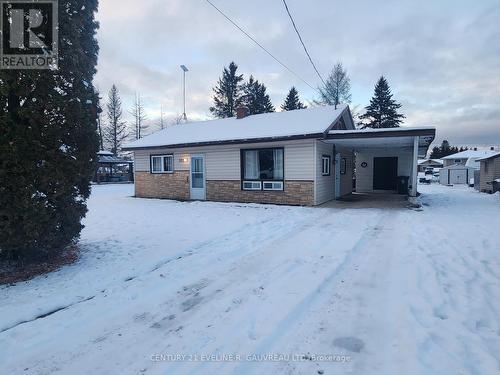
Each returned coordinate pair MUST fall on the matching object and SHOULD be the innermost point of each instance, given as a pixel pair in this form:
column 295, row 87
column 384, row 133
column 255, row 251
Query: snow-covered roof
column 458, row 166
column 102, row 152
column 494, row 155
column 268, row 125
column 470, row 154
column 421, row 161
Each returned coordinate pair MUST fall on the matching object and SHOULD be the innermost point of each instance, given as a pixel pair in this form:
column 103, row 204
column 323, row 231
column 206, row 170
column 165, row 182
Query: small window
column 458, row 161
column 162, row 163
column 272, row 185
column 343, row 166
column 252, row 185
column 327, row 161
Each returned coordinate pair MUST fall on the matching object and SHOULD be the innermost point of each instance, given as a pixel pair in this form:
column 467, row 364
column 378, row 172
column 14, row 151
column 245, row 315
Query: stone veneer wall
column 176, row 186
column 296, row 193
column 162, row 185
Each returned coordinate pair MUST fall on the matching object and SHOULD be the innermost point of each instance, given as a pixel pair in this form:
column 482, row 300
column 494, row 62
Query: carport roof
column 382, row 138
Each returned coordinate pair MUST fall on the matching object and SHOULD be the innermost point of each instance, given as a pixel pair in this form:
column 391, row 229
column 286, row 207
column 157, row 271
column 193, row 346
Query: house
column 424, row 164
column 489, row 173
column 301, row 157
column 467, row 157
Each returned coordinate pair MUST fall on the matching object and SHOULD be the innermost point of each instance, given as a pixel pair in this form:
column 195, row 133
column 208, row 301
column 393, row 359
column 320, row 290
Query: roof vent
column 475, row 148
column 241, row 112
column 492, row 148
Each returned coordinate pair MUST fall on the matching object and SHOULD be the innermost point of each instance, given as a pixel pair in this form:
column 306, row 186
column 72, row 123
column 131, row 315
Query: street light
column 184, row 70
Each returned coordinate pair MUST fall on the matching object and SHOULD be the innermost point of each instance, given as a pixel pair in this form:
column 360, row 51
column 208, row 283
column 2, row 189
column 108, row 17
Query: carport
column 383, row 156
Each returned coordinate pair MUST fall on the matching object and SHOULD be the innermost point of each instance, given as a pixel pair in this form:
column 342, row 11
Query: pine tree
column 227, row 93
column 115, row 131
column 49, row 141
column 337, row 88
column 382, row 111
column 445, row 149
column 255, row 97
column 292, row 101
column 139, row 114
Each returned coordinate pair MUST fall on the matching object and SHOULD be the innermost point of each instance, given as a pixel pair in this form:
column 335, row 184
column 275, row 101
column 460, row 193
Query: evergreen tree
column 116, row 130
column 139, row 114
column 382, row 111
column 255, row 97
column 445, row 149
column 337, row 88
column 49, row 141
column 227, row 93
column 292, row 101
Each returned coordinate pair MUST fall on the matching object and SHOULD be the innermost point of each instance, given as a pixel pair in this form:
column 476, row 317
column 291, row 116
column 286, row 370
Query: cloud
column 441, row 58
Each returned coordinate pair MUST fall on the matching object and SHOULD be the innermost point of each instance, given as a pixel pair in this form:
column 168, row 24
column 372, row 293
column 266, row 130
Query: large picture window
column 162, row 163
column 262, row 169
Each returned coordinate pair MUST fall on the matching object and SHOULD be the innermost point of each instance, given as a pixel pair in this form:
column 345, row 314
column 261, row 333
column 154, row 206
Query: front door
column 197, row 180
column 385, row 173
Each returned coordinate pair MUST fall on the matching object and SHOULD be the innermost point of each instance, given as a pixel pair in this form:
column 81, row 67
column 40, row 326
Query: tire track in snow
column 307, row 303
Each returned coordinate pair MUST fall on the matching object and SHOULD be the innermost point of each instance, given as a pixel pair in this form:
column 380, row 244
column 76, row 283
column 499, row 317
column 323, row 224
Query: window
column 327, row 162
column 343, row 166
column 457, row 161
column 262, row 169
column 272, row 185
column 162, row 163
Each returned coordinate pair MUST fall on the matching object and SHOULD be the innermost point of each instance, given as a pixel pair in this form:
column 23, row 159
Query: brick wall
column 176, row 186
column 296, row 193
column 165, row 185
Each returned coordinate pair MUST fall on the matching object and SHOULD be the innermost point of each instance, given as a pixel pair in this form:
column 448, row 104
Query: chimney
column 475, row 148
column 241, row 112
column 492, row 148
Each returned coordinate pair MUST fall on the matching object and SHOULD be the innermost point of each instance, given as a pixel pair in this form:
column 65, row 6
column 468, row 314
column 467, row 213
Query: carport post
column 414, row 171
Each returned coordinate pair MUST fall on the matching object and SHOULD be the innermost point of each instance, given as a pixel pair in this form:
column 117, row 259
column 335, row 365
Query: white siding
column 324, row 188
column 223, row 161
column 364, row 176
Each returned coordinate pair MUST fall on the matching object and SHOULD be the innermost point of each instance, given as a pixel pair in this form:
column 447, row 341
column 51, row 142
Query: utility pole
column 184, row 70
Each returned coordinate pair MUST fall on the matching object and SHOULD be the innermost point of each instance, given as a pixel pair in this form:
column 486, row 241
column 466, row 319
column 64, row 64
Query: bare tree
column 115, row 131
column 139, row 114
column 337, row 88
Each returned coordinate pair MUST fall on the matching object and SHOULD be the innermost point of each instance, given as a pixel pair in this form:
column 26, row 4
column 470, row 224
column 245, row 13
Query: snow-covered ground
column 379, row 291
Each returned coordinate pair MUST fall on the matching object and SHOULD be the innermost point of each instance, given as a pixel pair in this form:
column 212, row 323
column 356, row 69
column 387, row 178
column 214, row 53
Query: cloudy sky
column 441, row 57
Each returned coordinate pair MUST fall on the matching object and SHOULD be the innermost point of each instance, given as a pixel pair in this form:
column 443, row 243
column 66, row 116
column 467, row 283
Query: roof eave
column 228, row 142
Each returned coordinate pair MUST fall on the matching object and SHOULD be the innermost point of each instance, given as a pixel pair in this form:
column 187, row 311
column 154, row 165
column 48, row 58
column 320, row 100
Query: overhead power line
column 302, row 42
column 260, row 45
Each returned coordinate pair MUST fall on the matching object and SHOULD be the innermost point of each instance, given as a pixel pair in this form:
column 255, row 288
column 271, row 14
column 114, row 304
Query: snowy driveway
column 382, row 291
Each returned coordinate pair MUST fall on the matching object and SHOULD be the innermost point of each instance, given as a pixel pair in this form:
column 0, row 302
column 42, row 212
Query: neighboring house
column 301, row 157
column 467, row 157
column 489, row 173
column 456, row 174
column 424, row 164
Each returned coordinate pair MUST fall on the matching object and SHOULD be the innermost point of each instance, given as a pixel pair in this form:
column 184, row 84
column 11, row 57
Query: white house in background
column 467, row 157
column 459, row 168
column 424, row 164
column 301, row 157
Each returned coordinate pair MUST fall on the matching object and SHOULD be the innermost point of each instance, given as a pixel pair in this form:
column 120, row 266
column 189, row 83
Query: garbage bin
column 403, row 184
